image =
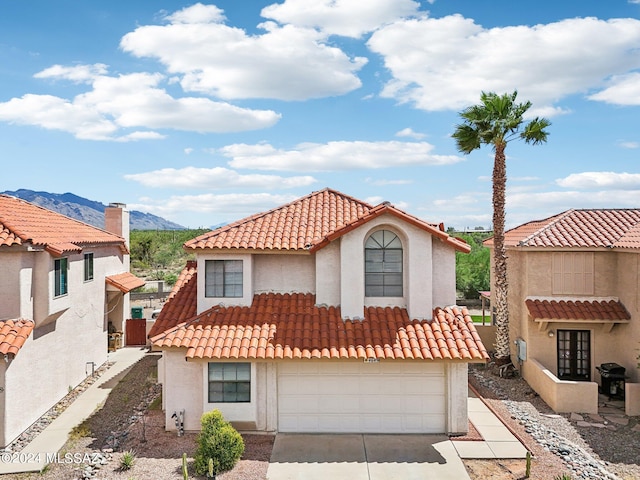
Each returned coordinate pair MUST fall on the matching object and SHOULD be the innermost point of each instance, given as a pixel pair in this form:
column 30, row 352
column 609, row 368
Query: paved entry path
column 364, row 457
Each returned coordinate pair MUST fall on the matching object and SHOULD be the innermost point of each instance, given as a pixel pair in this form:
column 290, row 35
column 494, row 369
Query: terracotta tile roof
column 22, row 223
column 308, row 223
column 125, row 282
column 179, row 307
column 611, row 228
column 599, row 310
column 292, row 326
column 13, row 334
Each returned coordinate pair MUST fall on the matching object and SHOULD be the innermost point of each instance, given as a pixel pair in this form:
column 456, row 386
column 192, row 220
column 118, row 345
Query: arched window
column 383, row 265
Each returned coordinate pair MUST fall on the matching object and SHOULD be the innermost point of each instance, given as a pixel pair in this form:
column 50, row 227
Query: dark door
column 574, row 355
column 136, row 333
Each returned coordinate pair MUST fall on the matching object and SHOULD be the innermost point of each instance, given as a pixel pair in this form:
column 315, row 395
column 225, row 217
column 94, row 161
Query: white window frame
column 210, row 276
column 60, row 277
column 88, row 264
column 385, row 247
column 231, row 370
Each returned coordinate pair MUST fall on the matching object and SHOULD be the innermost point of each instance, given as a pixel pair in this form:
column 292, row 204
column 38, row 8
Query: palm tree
column 497, row 121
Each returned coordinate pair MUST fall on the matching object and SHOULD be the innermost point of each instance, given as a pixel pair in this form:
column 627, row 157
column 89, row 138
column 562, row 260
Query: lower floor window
column 229, row 382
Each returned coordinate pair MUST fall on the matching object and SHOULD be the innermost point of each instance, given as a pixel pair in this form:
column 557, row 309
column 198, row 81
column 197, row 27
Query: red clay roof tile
column 308, row 223
column 13, row 334
column 23, row 222
column 577, row 310
column 125, row 282
column 580, row 228
column 281, row 326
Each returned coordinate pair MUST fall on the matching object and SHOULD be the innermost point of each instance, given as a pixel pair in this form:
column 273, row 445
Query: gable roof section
column 181, row 304
column 125, row 282
column 13, row 334
column 577, row 310
column 609, row 228
column 308, row 223
column 24, row 223
column 292, row 326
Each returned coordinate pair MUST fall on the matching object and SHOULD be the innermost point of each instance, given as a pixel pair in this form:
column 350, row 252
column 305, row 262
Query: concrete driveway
column 364, row 457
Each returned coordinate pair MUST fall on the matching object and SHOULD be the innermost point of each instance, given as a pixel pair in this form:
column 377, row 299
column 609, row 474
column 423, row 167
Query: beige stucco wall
column 284, row 273
column 616, row 275
column 328, row 276
column 72, row 335
column 183, row 389
column 205, row 303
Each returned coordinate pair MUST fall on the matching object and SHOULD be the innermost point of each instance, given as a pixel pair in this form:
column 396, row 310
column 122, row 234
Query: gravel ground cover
column 131, row 420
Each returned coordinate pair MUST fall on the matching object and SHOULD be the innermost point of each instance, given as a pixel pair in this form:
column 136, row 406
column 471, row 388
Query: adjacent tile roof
column 23, row 223
column 125, row 282
column 598, row 310
column 13, row 334
column 292, row 326
column 612, row 228
column 308, row 223
column 179, row 307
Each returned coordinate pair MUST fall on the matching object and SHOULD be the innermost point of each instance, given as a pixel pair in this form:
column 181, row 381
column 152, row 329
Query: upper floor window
column 88, row 267
column 383, row 265
column 573, row 273
column 223, row 278
column 229, row 382
column 60, row 275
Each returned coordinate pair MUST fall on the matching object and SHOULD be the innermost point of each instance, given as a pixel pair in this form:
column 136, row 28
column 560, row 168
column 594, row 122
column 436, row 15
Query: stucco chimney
column 116, row 220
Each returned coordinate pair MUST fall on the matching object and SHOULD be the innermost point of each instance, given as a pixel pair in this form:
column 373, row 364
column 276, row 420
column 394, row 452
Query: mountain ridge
column 90, row 211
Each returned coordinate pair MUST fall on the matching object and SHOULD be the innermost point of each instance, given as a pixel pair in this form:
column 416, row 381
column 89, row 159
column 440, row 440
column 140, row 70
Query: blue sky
column 203, row 113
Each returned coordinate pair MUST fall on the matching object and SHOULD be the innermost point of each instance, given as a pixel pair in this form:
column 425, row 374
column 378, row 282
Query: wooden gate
column 136, row 332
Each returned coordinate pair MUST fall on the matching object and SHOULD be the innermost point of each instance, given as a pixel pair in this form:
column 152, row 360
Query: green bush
column 218, row 441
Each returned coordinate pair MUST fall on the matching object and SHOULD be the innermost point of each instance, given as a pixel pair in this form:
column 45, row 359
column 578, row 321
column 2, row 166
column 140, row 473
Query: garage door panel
column 357, row 397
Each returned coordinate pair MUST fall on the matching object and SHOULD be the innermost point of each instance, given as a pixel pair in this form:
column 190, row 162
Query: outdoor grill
column 612, row 376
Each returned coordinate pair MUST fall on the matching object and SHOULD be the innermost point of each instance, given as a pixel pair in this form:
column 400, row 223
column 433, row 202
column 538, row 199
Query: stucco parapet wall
column 563, row 396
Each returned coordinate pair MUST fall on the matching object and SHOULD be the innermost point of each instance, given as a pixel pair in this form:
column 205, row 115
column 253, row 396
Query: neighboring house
column 62, row 282
column 321, row 315
column 574, row 293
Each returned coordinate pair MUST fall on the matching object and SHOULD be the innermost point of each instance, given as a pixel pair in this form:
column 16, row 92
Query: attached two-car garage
column 346, row 397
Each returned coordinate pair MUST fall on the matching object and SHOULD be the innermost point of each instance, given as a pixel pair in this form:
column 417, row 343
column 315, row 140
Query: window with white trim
column 88, row 267
column 383, row 265
column 223, row 278
column 229, row 382
column 60, row 276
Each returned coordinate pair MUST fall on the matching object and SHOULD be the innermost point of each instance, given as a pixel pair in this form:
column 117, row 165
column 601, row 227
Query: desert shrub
column 218, row 441
column 127, row 460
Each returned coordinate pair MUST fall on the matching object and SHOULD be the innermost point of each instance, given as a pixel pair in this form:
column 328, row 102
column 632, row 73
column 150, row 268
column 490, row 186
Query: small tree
column 218, row 441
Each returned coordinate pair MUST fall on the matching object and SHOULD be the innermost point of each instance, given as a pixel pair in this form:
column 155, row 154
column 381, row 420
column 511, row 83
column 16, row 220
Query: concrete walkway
column 43, row 448
column 497, row 440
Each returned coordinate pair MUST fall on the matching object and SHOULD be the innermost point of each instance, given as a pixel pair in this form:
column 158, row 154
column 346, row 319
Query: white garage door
column 343, row 397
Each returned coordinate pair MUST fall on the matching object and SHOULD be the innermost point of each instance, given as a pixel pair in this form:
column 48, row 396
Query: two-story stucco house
column 61, row 283
column 322, row 315
column 574, row 303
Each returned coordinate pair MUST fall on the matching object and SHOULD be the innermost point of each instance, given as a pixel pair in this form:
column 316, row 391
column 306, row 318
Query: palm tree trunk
column 502, row 345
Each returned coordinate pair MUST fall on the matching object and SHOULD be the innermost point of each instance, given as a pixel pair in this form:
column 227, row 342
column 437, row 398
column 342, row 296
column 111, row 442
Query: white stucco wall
column 328, row 274
column 420, row 271
column 65, row 344
column 183, row 389
column 205, row 303
column 284, row 273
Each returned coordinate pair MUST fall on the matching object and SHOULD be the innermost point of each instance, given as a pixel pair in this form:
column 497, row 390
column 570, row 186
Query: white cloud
column 350, row 18
column 557, row 202
column 127, row 101
column 286, row 62
column 630, row 145
column 335, row 156
column 188, row 151
column 452, row 59
column 608, row 180
column 379, row 182
column 226, row 207
column 77, row 73
column 622, row 90
column 197, row 13
column 214, row 179
column 408, row 132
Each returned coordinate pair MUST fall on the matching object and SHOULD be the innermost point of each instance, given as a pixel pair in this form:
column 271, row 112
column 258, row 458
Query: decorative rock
column 576, row 417
column 618, row 420
column 582, row 423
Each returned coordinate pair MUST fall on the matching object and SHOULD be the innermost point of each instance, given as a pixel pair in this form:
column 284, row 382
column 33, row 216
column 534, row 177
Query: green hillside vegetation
column 158, row 254
column 472, row 269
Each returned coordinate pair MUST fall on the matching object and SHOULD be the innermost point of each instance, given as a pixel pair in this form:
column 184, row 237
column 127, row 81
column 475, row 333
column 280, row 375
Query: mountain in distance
column 89, row 211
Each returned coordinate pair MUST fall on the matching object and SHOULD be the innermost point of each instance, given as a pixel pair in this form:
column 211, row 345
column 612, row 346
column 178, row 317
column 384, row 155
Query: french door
column 574, row 355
